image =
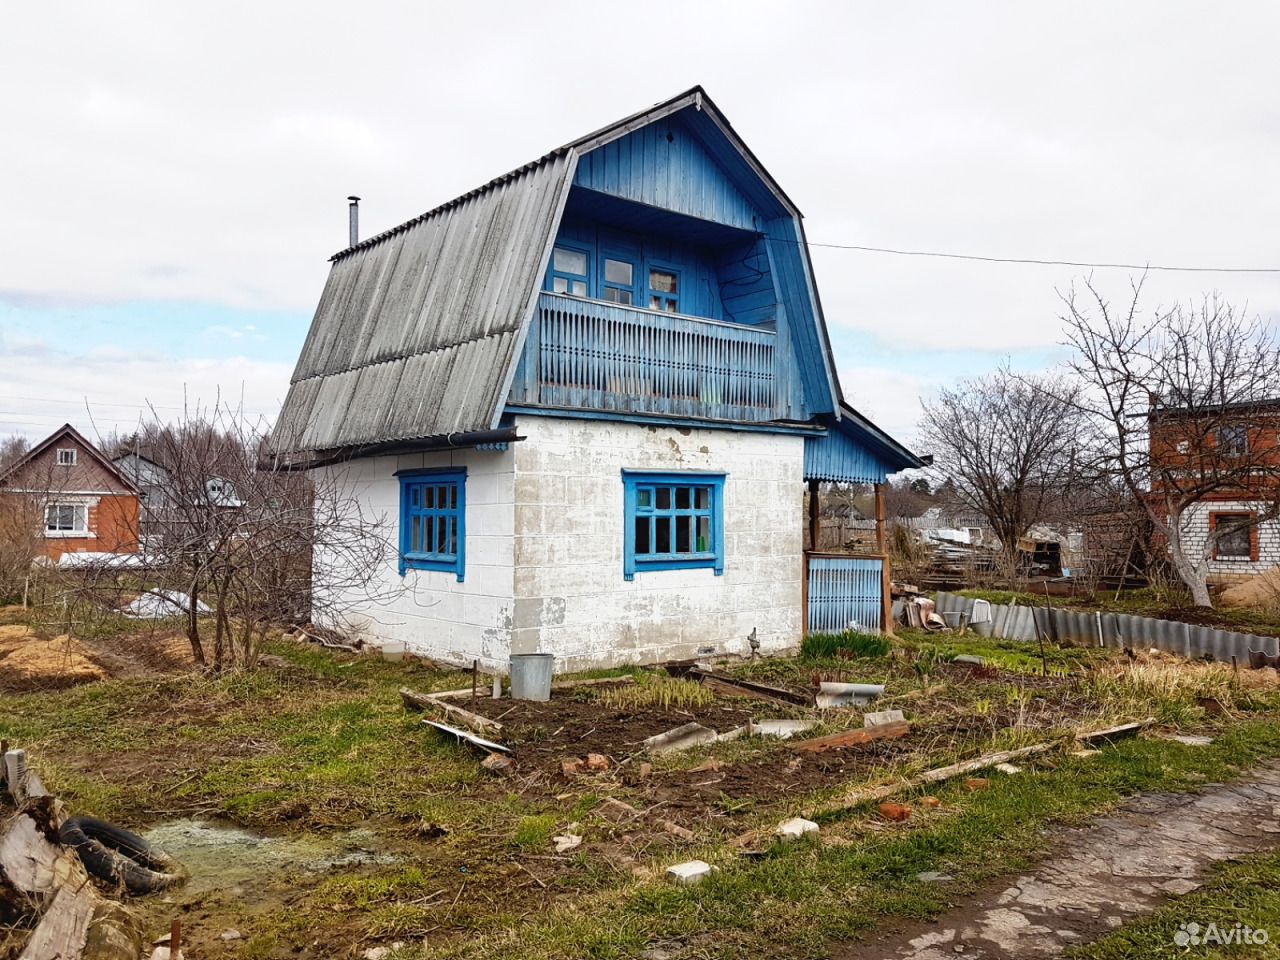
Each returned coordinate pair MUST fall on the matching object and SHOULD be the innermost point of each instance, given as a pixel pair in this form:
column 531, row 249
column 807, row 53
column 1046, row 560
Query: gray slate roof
column 415, row 334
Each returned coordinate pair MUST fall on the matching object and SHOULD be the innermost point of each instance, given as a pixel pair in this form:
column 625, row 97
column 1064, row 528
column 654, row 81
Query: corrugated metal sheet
column 415, row 332
column 1010, row 622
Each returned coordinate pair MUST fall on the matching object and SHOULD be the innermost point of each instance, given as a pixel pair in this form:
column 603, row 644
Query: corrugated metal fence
column 1016, row 622
column 844, row 593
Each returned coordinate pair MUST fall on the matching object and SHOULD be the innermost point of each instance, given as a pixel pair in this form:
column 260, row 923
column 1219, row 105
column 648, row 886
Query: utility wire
column 1040, row 263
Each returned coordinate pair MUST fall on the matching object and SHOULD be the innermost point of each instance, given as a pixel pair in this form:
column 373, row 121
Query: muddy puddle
column 220, row 856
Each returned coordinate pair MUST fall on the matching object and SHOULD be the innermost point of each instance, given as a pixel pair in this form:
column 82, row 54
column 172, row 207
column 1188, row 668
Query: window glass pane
column 614, row 295
column 442, row 535
column 663, row 498
column 662, row 281
column 453, row 538
column 617, row 271
column 569, row 261
column 702, row 498
column 642, row 536
column 579, row 288
column 644, row 497
column 453, row 497
column 704, row 535
column 684, row 497
column 559, row 285
column 684, row 534
column 1236, row 543
column 429, row 497
column 662, row 535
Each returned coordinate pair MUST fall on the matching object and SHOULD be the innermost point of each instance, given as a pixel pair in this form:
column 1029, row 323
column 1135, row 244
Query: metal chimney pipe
column 353, row 212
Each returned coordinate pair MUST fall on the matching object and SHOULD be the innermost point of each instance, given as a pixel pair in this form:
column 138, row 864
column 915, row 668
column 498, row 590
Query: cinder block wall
column 570, row 595
column 430, row 610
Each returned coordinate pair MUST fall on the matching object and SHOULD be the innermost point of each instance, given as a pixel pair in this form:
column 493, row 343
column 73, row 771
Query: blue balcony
column 591, row 355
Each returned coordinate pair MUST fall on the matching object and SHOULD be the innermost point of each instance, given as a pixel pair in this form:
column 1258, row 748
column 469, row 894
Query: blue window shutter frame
column 441, row 477
column 714, row 482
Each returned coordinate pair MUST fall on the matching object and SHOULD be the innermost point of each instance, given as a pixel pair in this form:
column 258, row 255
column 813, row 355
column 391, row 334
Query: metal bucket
column 531, row 675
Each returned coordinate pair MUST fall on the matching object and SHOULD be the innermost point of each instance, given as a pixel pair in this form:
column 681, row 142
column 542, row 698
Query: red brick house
column 77, row 500
column 1230, row 455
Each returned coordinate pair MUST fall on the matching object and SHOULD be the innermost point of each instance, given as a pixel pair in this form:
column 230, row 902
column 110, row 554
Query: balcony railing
column 587, row 354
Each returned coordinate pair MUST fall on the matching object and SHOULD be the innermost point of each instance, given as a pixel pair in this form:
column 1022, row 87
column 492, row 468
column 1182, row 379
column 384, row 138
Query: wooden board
column 473, row 721
column 853, row 738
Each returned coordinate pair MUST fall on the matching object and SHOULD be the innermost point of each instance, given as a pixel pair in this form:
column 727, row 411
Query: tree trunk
column 1194, row 574
column 193, row 621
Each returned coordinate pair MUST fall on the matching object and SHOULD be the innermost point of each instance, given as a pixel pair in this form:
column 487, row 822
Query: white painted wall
column 1195, row 526
column 544, row 539
column 570, row 595
column 430, row 610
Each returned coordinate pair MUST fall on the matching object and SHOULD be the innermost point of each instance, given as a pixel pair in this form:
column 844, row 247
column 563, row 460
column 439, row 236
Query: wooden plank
column 853, row 738
column 862, row 795
column 64, row 927
column 750, row 686
column 422, row 701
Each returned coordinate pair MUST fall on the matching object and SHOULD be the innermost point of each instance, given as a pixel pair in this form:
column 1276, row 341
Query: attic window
column 664, row 290
column 66, row 457
column 1233, row 440
column 619, row 281
column 570, row 270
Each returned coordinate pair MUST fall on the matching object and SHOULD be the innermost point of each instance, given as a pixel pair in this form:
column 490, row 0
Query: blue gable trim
column 855, row 450
column 663, row 164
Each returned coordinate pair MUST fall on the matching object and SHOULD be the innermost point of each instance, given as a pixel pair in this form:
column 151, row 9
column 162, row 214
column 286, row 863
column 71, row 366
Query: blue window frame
column 664, row 289
column 617, row 279
column 433, row 520
column 570, row 270
column 673, row 521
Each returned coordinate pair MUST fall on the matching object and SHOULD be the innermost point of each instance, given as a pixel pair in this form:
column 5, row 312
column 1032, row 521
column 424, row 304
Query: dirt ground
column 32, row 660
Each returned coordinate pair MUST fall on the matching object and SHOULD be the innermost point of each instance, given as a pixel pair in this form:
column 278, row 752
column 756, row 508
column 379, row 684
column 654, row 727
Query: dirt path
column 1104, row 875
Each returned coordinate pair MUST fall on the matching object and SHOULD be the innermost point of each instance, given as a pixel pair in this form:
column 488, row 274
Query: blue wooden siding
column 798, row 296
column 699, row 279
column 665, row 165
column 839, row 457
column 845, row 593
column 747, row 293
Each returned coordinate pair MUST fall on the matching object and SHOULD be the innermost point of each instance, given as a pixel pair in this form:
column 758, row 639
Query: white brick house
column 1239, row 556
column 586, row 399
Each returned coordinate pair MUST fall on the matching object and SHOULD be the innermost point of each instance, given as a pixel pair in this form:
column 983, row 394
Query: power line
column 1039, row 263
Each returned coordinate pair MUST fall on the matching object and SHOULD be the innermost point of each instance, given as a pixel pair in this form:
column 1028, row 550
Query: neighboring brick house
column 79, row 500
column 1238, row 446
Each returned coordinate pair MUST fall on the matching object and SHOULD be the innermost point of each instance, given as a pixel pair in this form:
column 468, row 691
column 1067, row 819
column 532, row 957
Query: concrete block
column 689, row 873
column 795, row 828
column 883, row 716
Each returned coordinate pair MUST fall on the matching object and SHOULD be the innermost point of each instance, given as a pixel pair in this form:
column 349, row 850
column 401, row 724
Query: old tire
column 120, row 856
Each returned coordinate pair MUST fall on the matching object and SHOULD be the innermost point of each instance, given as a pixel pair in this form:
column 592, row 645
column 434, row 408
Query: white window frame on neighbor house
column 67, row 456
column 79, row 520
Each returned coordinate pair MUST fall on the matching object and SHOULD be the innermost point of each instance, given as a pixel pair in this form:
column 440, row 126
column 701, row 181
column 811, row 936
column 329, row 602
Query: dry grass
column 665, row 692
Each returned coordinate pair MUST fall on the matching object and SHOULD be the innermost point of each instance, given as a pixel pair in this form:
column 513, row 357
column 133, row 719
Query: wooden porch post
column 882, row 548
column 815, row 528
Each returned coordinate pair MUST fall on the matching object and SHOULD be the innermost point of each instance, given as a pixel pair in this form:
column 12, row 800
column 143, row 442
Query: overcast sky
column 174, row 174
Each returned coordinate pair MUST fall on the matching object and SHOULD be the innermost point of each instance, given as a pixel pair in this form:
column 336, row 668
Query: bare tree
column 1009, row 445
column 1182, row 407
column 240, row 538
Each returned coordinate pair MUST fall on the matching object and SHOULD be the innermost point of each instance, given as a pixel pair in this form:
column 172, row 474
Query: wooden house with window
column 71, row 497
column 587, row 398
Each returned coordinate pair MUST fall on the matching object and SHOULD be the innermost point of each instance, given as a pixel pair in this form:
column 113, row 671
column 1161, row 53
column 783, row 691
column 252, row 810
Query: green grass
column 801, row 898
column 1242, row 891
column 830, row 646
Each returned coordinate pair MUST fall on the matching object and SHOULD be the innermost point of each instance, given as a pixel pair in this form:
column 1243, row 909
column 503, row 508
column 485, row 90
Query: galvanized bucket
column 531, row 675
